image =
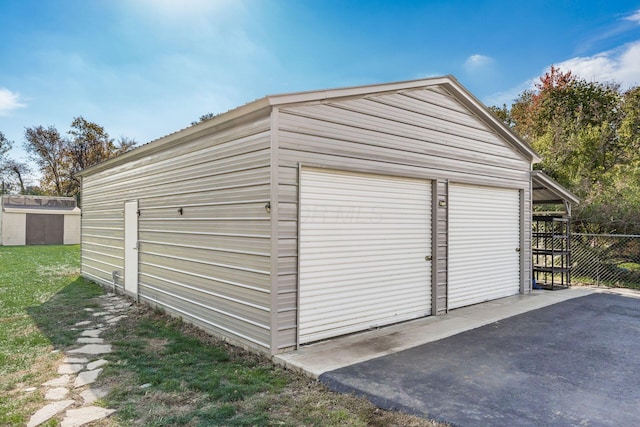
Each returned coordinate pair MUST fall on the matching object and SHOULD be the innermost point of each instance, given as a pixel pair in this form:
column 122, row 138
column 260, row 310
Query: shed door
column 363, row 243
column 484, row 244
column 131, row 248
column 44, row 229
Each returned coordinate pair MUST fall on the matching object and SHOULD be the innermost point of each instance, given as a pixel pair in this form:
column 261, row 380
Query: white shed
column 39, row 220
column 304, row 216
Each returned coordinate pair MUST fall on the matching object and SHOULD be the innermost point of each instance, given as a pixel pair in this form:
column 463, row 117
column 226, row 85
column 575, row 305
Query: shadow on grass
column 189, row 377
column 56, row 317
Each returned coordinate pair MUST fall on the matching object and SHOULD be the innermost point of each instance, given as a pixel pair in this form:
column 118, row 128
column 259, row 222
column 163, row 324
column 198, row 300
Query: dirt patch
column 157, row 344
column 58, row 270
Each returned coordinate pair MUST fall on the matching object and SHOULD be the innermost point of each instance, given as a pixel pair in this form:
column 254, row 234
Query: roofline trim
column 555, row 187
column 448, row 81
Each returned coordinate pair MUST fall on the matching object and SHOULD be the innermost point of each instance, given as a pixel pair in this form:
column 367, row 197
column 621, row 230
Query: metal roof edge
column 41, row 210
column 448, row 81
column 185, row 134
column 344, row 92
column 554, row 186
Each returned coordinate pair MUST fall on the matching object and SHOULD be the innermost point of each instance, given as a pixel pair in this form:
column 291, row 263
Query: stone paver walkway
column 72, row 393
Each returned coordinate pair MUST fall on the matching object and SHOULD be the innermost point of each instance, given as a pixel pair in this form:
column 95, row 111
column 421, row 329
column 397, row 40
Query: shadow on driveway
column 572, row 363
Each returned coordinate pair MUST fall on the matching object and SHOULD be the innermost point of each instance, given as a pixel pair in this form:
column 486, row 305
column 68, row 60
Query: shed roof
column 548, row 191
column 39, row 204
column 263, row 105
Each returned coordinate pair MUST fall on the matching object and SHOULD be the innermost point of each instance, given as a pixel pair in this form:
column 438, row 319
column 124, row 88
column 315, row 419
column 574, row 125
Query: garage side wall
column 204, row 233
column 425, row 133
column 14, row 229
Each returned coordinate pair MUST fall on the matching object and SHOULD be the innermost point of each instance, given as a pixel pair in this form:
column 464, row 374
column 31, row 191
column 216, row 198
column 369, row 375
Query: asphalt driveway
column 570, row 364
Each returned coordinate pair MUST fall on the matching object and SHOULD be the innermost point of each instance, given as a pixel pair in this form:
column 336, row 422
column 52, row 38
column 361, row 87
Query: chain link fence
column 605, row 260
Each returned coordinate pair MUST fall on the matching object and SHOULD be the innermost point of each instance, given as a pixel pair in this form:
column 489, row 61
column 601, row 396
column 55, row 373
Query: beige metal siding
column 363, row 243
column 14, row 228
column 440, row 261
column 204, row 233
column 420, row 133
column 484, row 244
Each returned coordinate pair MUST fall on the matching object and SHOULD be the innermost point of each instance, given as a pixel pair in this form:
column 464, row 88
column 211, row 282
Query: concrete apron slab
column 316, row 359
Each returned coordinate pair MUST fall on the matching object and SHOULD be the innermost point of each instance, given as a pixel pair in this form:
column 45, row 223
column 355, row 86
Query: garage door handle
column 517, row 249
column 428, row 258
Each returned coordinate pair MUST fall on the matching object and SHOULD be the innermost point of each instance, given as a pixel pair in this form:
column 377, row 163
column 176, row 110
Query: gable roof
column 263, row 105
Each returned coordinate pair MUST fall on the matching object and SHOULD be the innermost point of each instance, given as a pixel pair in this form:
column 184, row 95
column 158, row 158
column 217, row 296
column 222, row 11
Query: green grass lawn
column 39, row 292
column 190, row 378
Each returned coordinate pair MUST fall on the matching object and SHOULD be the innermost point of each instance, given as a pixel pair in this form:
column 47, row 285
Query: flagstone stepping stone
column 48, row 412
column 70, row 368
column 87, row 377
column 30, row 389
column 58, row 382
column 92, row 349
column 93, row 333
column 75, row 360
column 57, row 393
column 83, row 323
column 96, row 364
column 89, row 309
column 116, row 319
column 101, row 313
column 90, row 395
column 88, row 340
column 82, row 416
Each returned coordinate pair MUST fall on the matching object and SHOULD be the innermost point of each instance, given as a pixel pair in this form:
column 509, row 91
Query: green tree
column 47, row 149
column 61, row 158
column 88, row 145
column 5, row 146
column 203, row 118
column 16, row 172
column 588, row 136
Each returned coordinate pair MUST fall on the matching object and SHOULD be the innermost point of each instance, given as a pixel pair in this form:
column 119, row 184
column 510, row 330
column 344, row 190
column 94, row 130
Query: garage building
column 300, row 217
column 39, row 220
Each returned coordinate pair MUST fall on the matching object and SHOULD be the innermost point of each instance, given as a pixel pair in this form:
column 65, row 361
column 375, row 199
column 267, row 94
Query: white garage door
column 364, row 244
column 484, row 244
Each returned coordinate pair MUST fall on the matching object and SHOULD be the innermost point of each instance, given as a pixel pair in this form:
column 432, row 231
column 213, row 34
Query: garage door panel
column 363, row 242
column 484, row 236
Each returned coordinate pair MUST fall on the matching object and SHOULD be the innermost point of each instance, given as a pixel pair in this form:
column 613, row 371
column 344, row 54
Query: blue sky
column 146, row 68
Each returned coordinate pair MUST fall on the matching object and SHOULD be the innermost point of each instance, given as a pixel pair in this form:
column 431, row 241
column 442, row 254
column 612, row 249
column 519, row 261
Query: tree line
column 58, row 157
column 588, row 134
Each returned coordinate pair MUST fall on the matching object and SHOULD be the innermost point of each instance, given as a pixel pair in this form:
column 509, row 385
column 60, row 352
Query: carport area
column 574, row 362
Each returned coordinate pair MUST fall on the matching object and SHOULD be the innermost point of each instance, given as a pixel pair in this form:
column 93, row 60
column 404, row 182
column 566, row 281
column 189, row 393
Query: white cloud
column 634, row 18
column 621, row 65
column 477, row 61
column 9, row 101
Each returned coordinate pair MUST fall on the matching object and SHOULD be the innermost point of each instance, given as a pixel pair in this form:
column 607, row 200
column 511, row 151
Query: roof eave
column 553, row 186
column 188, row 133
column 448, row 82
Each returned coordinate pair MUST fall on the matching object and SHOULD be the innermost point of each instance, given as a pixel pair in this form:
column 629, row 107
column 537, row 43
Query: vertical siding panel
column 441, row 263
column 527, row 208
column 275, row 236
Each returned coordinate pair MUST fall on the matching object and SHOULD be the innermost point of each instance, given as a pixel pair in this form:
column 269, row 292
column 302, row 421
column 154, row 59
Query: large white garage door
column 484, row 244
column 364, row 244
